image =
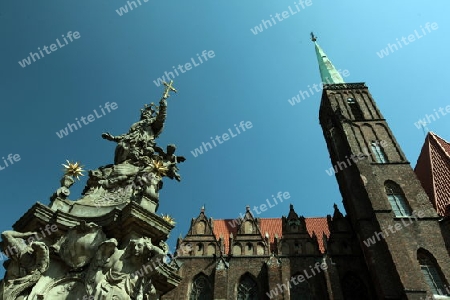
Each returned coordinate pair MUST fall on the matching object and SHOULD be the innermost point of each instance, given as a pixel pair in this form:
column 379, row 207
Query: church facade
column 391, row 244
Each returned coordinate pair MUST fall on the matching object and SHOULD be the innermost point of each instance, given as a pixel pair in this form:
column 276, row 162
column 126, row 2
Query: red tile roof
column 223, row 228
column 433, row 171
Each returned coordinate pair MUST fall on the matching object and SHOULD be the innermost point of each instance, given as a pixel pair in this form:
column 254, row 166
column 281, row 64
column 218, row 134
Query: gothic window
column 397, row 199
column 300, row 291
column 432, row 274
column 356, row 110
column 199, row 249
column 285, row 248
column 354, row 288
column 309, row 248
column 200, row 227
column 248, row 227
column 297, row 248
column 211, row 249
column 237, row 250
column 260, row 249
column 247, row 288
column 201, row 289
column 294, row 225
column 378, row 151
column 249, row 249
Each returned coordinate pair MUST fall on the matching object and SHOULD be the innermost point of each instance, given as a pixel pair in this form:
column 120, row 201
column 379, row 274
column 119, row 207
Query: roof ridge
column 436, row 139
column 274, row 218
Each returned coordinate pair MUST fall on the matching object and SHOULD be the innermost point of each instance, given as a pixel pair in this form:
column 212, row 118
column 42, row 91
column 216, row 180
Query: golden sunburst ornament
column 159, row 167
column 73, row 169
column 169, row 219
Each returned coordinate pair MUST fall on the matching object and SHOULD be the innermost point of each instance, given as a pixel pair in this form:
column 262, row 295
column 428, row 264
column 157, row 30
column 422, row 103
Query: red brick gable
column 433, row 171
column 273, row 226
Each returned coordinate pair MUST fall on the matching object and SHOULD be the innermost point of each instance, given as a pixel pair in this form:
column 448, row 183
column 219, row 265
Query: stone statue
column 76, row 248
column 171, row 159
column 140, row 139
column 139, row 163
column 136, row 157
column 63, row 192
column 125, row 275
column 93, row 254
column 26, row 264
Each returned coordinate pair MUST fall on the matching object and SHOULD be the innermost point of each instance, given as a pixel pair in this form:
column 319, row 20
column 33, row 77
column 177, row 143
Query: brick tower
column 393, row 220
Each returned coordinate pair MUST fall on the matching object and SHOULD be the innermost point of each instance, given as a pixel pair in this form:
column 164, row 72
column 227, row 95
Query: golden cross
column 169, row 88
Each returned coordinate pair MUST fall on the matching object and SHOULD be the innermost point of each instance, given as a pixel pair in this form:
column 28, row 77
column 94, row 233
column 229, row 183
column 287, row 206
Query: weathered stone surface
column 110, row 244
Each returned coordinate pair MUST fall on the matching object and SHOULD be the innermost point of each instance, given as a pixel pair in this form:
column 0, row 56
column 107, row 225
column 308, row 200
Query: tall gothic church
column 391, row 244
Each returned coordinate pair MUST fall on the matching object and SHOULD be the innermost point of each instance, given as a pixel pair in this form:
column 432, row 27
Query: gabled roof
column 273, row 226
column 433, row 171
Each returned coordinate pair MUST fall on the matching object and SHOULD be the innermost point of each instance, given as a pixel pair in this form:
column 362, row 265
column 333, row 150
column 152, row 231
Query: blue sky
column 250, row 78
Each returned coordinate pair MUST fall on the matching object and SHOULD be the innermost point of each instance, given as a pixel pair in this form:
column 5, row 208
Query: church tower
column 395, row 224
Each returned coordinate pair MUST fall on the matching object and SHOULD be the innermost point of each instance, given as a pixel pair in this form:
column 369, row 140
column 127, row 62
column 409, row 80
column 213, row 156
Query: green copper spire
column 328, row 72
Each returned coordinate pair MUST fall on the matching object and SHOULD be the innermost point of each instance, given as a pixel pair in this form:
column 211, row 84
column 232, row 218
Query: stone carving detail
column 63, row 192
column 139, row 163
column 27, row 262
column 111, row 273
column 273, row 261
column 140, row 139
column 77, row 247
column 124, row 274
column 103, row 248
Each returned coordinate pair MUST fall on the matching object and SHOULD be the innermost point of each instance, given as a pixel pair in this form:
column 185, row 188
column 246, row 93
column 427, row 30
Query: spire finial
column 328, row 72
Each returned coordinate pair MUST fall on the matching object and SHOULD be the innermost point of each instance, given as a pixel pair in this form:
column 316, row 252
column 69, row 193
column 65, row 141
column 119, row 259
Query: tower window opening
column 432, row 275
column 378, row 151
column 356, row 110
column 397, row 200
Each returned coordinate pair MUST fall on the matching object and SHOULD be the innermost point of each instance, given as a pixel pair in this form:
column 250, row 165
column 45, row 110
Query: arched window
column 260, row 249
column 356, row 110
column 249, row 249
column 199, row 249
column 294, row 225
column 397, row 199
column 300, row 291
column 310, row 248
column 200, row 228
column 211, row 249
column 248, row 227
column 378, row 151
column 237, row 249
column 201, row 288
column 354, row 288
column 432, row 273
column 247, row 288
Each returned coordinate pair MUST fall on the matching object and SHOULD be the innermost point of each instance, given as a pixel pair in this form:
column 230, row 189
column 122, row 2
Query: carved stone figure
column 63, row 192
column 125, row 274
column 136, row 158
column 77, row 247
column 84, row 259
column 140, row 139
column 171, row 159
column 26, row 264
